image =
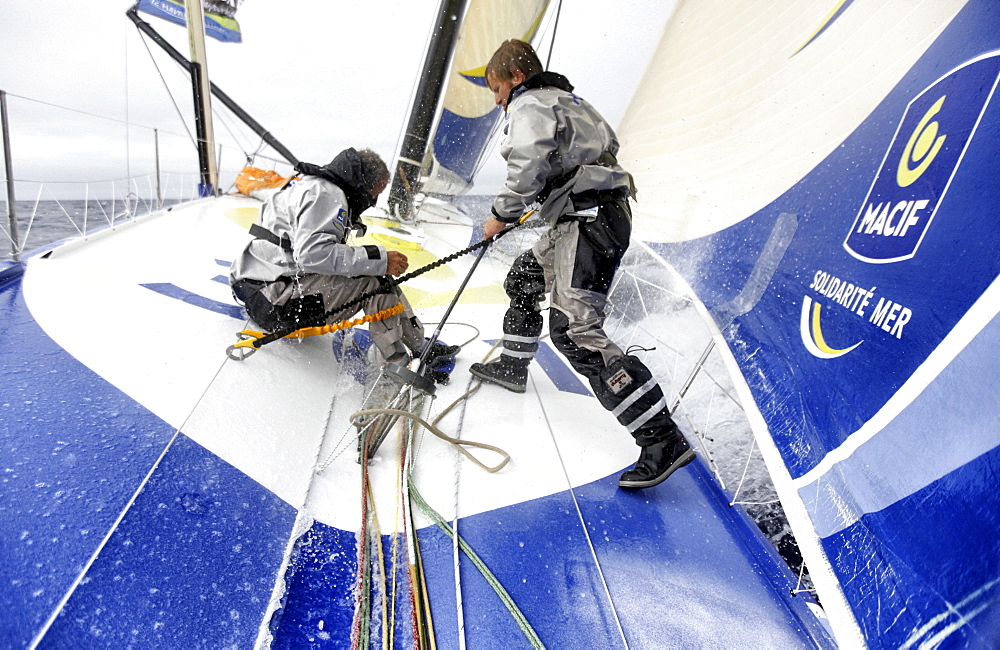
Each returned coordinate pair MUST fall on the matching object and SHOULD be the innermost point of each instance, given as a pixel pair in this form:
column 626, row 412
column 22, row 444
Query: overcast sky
column 320, row 75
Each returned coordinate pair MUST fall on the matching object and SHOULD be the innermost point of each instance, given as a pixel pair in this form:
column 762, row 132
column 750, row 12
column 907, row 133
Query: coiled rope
column 458, row 444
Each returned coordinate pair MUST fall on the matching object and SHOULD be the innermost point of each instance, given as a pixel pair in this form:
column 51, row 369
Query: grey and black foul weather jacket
column 561, row 153
column 558, row 146
column 311, row 219
column 303, row 231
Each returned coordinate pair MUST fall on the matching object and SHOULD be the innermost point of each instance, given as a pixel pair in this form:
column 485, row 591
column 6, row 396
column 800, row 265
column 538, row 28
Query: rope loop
column 458, row 444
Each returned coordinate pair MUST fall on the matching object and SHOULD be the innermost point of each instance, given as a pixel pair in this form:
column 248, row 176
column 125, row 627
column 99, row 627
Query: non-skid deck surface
column 156, row 491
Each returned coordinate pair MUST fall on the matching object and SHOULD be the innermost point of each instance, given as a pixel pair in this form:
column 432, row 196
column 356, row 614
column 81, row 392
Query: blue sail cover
column 217, row 26
column 872, row 354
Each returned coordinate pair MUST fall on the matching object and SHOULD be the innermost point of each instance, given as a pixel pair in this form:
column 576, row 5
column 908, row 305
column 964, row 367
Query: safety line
column 76, row 110
column 107, row 537
column 583, row 522
column 121, row 516
column 491, row 579
column 299, row 527
column 359, row 624
column 423, row 620
column 455, row 549
column 376, row 570
column 463, row 399
column 400, row 514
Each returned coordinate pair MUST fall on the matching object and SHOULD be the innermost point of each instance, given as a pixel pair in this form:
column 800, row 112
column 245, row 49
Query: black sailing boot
column 439, row 353
column 507, row 371
column 440, row 360
column 657, row 462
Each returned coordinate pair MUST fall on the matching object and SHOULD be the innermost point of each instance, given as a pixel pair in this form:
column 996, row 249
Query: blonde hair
column 511, row 56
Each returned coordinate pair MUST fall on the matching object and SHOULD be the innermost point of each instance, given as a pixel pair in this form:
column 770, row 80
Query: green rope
column 491, row 579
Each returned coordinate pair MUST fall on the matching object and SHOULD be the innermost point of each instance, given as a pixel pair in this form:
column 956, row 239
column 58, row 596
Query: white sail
column 819, row 174
column 733, row 110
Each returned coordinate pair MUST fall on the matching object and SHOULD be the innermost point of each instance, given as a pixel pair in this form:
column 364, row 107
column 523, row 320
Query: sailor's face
column 501, row 88
column 378, row 190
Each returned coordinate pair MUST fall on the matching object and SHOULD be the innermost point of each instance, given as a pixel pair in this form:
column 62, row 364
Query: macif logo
column 921, row 162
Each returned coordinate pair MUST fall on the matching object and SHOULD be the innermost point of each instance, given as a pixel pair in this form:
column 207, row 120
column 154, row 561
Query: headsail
column 867, row 337
column 444, row 160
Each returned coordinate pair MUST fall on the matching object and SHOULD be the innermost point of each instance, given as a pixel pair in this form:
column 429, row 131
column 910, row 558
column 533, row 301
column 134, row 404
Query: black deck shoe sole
column 681, row 461
column 476, row 370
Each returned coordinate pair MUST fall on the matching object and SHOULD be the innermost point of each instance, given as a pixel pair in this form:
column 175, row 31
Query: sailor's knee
column 525, row 283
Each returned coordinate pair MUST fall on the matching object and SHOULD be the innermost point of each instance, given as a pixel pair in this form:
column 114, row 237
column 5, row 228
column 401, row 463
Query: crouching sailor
column 299, row 265
column 561, row 153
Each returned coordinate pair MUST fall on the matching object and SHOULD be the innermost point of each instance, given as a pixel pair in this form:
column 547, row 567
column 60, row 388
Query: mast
column 226, row 100
column 406, row 176
column 15, row 237
column 202, row 98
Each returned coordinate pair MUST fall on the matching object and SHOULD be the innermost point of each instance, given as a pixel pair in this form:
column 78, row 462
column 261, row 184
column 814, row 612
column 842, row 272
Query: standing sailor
column 560, row 152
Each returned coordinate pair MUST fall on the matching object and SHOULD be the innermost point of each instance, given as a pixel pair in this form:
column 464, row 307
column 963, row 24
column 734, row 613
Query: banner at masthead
column 220, row 21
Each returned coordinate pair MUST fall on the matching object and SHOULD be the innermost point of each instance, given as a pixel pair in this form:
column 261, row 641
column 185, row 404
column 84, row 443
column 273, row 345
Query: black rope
column 385, row 284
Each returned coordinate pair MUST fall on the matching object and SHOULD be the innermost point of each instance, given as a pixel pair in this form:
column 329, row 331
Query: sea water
column 42, row 223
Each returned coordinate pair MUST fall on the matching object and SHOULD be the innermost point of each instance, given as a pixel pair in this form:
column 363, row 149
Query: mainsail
column 840, row 227
column 453, row 97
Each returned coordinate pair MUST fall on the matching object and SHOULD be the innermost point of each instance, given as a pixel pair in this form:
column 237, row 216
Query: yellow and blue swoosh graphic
column 812, row 333
column 834, row 14
column 469, row 113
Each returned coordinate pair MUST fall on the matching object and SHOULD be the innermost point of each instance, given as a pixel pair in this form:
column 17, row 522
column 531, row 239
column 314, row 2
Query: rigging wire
column 167, row 88
column 222, row 117
column 555, row 28
column 128, row 138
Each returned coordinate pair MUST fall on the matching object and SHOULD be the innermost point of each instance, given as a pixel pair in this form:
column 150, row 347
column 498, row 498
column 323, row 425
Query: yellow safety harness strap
column 250, row 337
column 252, row 344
